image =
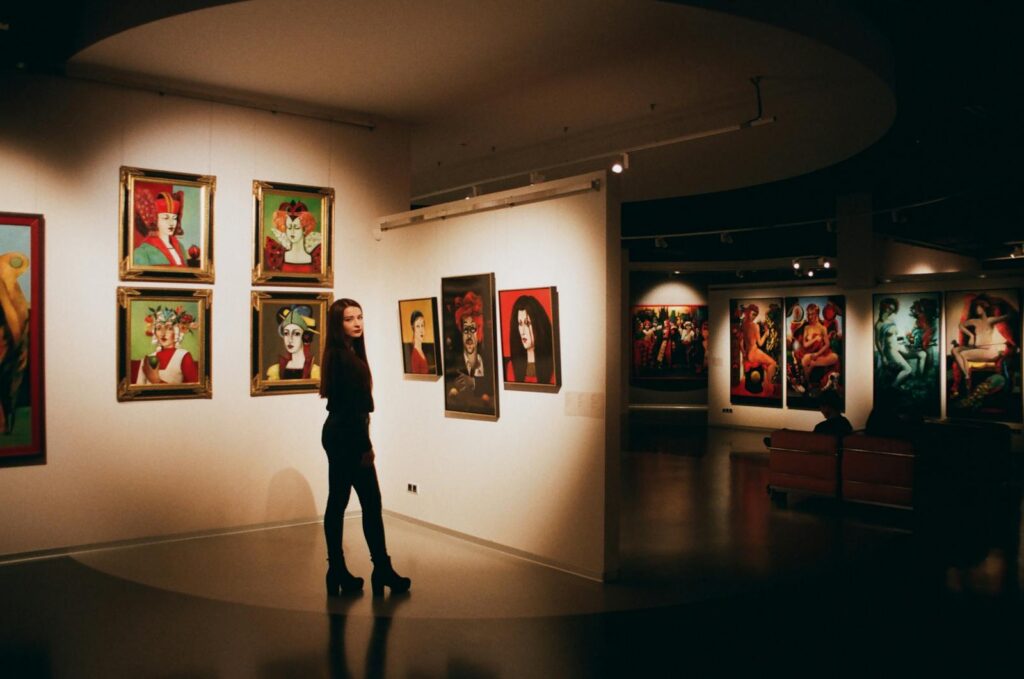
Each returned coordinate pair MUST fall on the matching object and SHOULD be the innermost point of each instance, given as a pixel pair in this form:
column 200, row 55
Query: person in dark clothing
column 347, row 384
column 830, row 406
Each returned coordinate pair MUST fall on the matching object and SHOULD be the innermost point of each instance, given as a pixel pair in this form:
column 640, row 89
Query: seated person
column 834, row 423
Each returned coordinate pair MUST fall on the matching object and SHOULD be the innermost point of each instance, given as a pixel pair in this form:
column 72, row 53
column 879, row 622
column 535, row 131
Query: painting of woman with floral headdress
column 293, row 231
column 168, row 362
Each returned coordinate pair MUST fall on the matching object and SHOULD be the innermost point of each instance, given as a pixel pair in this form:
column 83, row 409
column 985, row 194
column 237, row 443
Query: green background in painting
column 273, row 199
column 142, row 344
column 16, row 238
column 191, row 217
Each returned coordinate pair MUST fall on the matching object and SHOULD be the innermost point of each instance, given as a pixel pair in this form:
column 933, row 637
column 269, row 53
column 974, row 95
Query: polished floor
column 714, row 579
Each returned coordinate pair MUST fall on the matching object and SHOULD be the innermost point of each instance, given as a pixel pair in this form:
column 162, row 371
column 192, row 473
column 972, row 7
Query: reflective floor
column 714, row 579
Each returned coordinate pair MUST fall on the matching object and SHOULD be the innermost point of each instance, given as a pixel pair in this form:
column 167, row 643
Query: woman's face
column 164, row 333
column 293, row 230
column 292, row 336
column 166, row 224
column 419, row 329
column 352, row 322
column 525, row 329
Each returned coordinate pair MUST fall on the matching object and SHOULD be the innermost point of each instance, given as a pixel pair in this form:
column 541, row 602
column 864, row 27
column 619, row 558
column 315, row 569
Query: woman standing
column 347, row 385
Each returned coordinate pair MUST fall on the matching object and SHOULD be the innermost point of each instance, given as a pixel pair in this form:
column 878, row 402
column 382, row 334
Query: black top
column 351, row 392
column 837, row 426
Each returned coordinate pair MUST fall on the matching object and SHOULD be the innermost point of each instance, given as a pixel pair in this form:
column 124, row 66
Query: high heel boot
column 339, row 580
column 385, row 576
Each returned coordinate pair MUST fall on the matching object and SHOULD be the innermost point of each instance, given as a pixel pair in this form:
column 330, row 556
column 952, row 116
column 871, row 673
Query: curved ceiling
column 495, row 88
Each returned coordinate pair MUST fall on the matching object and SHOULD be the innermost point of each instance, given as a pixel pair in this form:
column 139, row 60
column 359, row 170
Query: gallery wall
column 121, row 471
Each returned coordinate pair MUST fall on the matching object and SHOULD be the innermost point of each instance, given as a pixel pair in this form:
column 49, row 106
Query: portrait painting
column 164, row 344
column 906, row 352
column 529, row 339
column 983, row 363
column 166, row 226
column 670, row 342
column 815, row 342
column 287, row 341
column 421, row 346
column 294, row 228
column 756, row 352
column 470, row 341
column 22, row 423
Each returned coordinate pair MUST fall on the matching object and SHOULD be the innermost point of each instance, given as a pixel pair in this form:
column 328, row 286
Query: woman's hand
column 368, row 458
column 151, row 373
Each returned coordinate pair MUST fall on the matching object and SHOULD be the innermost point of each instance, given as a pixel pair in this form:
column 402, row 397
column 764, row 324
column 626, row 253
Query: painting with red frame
column 815, row 342
column 22, row 421
column 983, row 365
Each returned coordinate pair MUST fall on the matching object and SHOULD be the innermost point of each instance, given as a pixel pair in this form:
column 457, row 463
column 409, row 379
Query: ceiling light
column 677, row 272
column 725, row 237
column 660, row 242
column 796, row 263
column 622, row 164
column 810, row 273
column 827, row 264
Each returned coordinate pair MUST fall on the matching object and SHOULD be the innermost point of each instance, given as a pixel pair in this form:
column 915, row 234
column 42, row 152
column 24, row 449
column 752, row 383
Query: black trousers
column 346, row 472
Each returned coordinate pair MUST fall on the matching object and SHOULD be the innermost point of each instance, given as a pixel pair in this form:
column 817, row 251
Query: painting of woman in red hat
column 293, row 234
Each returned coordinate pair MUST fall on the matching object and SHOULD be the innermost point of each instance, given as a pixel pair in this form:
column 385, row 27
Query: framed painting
column 815, row 344
column 470, row 340
column 294, row 228
column 22, row 421
column 287, row 332
column 670, row 342
column 166, row 223
column 906, row 352
column 983, row 363
column 529, row 339
column 164, row 344
column 421, row 344
column 756, row 352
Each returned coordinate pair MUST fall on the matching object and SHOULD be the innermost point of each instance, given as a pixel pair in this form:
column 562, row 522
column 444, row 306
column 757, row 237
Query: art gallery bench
column 877, row 470
column 804, row 462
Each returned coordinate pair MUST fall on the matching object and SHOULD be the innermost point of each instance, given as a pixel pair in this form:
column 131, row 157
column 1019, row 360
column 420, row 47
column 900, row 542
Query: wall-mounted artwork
column 166, row 222
column 22, row 423
column 287, row 331
column 983, row 362
column 670, row 342
column 906, row 349
column 815, row 328
column 755, row 376
column 421, row 344
column 163, row 344
column 469, row 335
column 294, row 231
column 529, row 339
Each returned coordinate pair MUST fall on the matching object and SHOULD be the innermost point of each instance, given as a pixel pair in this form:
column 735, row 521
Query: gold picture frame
column 163, row 343
column 293, row 235
column 166, row 226
column 287, row 341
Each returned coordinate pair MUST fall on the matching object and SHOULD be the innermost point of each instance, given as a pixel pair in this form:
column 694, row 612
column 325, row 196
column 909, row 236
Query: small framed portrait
column 166, row 223
column 164, row 344
column 421, row 344
column 529, row 339
column 22, row 423
column 287, row 341
column 294, row 228
column 470, row 340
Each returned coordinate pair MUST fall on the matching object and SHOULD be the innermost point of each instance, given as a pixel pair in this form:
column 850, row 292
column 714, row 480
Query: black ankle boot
column 339, row 580
column 385, row 576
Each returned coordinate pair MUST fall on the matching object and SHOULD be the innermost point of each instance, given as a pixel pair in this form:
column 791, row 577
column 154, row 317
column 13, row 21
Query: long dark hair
column 541, row 340
column 336, row 341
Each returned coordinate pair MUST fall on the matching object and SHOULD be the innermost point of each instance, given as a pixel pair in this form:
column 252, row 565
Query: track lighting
column 796, row 264
column 621, row 164
column 725, row 237
column 660, row 242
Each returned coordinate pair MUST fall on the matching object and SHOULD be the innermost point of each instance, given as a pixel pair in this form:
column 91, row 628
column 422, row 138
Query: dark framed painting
column 22, row 417
column 163, row 344
column 287, row 341
column 530, row 353
column 815, row 350
column 294, row 231
column 756, row 338
column 421, row 345
column 670, row 342
column 906, row 350
column 983, row 362
column 166, row 222
column 470, row 340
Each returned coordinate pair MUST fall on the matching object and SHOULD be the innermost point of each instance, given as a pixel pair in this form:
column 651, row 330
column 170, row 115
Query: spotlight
column 796, row 264
column 810, row 273
column 622, row 164
column 676, row 272
column 827, row 264
column 660, row 242
column 725, row 237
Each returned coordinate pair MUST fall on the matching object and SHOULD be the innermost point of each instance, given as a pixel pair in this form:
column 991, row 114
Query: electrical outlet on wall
column 726, row 410
column 413, row 488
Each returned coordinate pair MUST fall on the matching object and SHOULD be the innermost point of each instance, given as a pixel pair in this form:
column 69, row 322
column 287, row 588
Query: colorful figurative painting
column 294, row 229
column 166, row 226
column 529, row 339
column 164, row 348
column 22, row 426
column 470, row 341
column 755, row 375
column 417, row 319
column 906, row 349
column 814, row 349
column 670, row 341
column 287, row 331
column 983, row 363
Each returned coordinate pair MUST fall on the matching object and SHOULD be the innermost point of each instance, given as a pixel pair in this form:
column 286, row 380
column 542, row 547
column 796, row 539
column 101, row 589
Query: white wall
column 118, row 471
column 535, row 479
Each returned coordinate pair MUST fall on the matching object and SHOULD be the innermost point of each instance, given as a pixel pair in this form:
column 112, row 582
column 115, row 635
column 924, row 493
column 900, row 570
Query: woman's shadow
column 375, row 659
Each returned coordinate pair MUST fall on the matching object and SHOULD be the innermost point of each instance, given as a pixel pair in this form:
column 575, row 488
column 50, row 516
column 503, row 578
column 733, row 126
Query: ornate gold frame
column 262, row 274
column 260, row 384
